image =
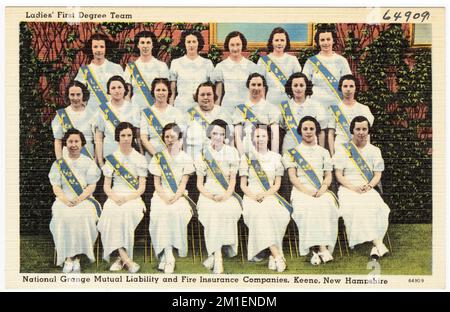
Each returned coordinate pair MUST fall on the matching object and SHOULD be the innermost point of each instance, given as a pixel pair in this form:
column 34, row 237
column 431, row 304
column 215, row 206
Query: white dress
column 196, row 138
column 308, row 108
column 219, row 219
column 357, row 109
column 337, row 65
column 118, row 223
column 189, row 74
column 102, row 74
column 265, row 113
column 169, row 115
column 168, row 223
column 149, row 70
column 73, row 228
column 365, row 215
column 127, row 112
column 288, row 64
column 266, row 221
column 316, row 217
column 83, row 121
column 233, row 76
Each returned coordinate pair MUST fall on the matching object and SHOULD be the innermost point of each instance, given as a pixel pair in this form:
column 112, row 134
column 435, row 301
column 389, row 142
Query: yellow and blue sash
column 140, row 82
column 358, row 160
column 169, row 177
column 198, row 116
column 217, row 172
column 67, row 124
column 71, row 179
column 154, row 123
column 272, row 67
column 308, row 170
column 248, row 114
column 93, row 85
column 333, row 83
column 290, row 121
column 109, row 115
column 263, row 179
column 123, row 172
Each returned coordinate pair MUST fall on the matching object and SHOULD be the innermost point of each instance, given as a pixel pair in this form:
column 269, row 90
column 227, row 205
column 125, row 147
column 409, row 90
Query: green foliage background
column 407, row 179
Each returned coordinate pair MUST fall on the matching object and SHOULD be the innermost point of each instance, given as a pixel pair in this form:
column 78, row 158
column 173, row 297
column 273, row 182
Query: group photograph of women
column 262, row 161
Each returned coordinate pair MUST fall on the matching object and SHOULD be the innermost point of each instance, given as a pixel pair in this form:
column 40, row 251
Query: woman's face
column 298, row 87
column 348, row 88
column 99, row 49
column 256, row 88
column 260, row 138
column 116, row 90
column 206, row 98
column 326, row 41
column 217, row 135
column 170, row 138
column 145, row 46
column 191, row 43
column 361, row 131
column 279, row 42
column 161, row 93
column 308, row 131
column 235, row 46
column 75, row 96
column 126, row 137
column 74, row 145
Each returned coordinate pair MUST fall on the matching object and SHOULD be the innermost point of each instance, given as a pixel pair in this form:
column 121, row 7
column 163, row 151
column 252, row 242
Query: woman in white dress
column 170, row 211
column 231, row 74
column 337, row 65
column 97, row 48
column 315, row 208
column 265, row 216
column 147, row 47
column 119, row 110
column 126, row 171
column 75, row 115
column 299, row 90
column 73, row 213
column 218, row 210
column 151, row 136
column 366, row 215
column 277, row 46
column 188, row 71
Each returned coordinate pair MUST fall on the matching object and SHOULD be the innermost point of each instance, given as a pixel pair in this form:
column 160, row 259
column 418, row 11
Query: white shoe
column 325, row 256
column 169, row 267
column 209, row 262
column 374, row 254
column 272, row 265
column 382, row 250
column 315, row 259
column 132, row 266
column 280, row 263
column 76, row 266
column 117, row 265
column 162, row 263
column 68, row 266
column 218, row 266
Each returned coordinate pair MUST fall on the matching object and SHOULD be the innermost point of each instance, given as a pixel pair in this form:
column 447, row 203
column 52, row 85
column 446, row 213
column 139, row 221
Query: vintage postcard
column 225, row 148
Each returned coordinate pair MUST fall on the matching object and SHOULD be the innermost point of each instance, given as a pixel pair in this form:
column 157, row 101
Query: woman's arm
column 109, row 192
column 86, row 193
column 275, row 187
column 238, row 139
column 374, row 182
column 331, row 140
column 160, row 190
column 325, row 184
column 219, row 88
column 201, row 188
column 140, row 190
column 99, row 147
column 147, row 144
column 61, row 196
column 58, row 148
column 173, row 88
column 245, row 188
column 345, row 182
column 138, row 141
column 292, row 172
column 229, row 191
column 275, row 137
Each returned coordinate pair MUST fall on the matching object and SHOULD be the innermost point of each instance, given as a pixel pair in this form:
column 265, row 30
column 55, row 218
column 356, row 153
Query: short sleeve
column 57, row 128
column 141, row 165
column 188, row 166
column 339, row 158
column 136, row 117
column 93, row 173
column 217, row 74
column 378, row 161
column 331, row 122
column 127, row 76
column 200, row 167
column 234, row 163
column 274, row 115
column 100, row 121
column 209, row 69
column 279, row 168
column 261, row 67
column 165, row 73
column 173, row 72
column 345, row 70
column 54, row 175
column 107, row 170
column 369, row 115
column 297, row 67
column 237, row 117
column 287, row 161
column 154, row 168
column 308, row 70
column 243, row 167
column 327, row 163
column 143, row 124
column 80, row 77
